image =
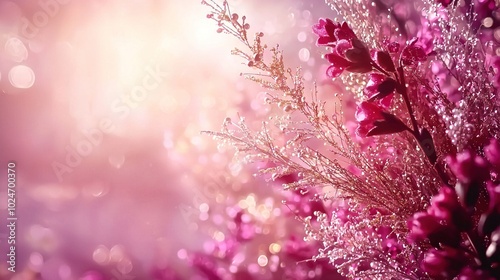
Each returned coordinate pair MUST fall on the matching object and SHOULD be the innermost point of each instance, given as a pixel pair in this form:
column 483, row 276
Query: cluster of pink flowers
column 451, row 215
column 454, row 211
column 426, row 98
column 350, row 54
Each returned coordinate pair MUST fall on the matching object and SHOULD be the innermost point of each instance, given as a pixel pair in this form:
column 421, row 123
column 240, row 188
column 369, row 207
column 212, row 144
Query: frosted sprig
column 457, row 46
column 314, row 143
column 358, row 244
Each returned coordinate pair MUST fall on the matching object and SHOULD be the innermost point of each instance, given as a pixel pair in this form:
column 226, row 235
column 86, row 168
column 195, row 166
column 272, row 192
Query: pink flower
column 424, row 226
column 381, row 88
column 330, row 32
column 421, row 225
column 390, row 242
column 384, row 60
column 392, row 47
column 348, row 53
column 445, row 263
column 445, row 3
column 491, row 219
column 494, row 193
column 372, row 120
column 474, row 274
column 445, row 206
column 471, row 171
column 468, row 167
column 492, row 153
column 413, row 53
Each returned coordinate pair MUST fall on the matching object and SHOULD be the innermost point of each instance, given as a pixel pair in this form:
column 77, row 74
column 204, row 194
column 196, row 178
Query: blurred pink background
column 101, row 107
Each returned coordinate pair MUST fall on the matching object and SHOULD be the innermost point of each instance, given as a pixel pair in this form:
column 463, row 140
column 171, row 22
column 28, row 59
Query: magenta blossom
column 424, row 226
column 372, row 120
column 348, row 52
column 445, row 206
column 445, row 263
column 445, row 3
column 384, row 60
column 468, row 167
column 491, row 219
column 472, row 171
column 474, row 274
column 492, row 153
column 412, row 54
column 330, row 32
column 381, row 88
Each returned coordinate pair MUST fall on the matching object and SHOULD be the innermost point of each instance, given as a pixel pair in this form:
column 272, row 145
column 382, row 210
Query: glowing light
column 117, row 253
column 203, row 216
column 182, row 254
column 124, row 266
column 304, row 54
column 243, row 204
column 262, row 260
column 21, row 76
column 204, row 207
column 302, row 36
column 496, row 34
column 219, row 236
column 16, row 50
column 101, row 255
column 36, row 261
column 274, row 248
column 488, row 22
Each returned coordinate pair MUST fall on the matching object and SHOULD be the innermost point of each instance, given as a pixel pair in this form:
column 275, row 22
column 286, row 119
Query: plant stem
column 404, row 94
column 402, row 89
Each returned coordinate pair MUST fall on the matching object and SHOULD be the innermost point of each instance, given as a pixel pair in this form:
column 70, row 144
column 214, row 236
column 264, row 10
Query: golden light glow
column 274, row 248
column 219, row 236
